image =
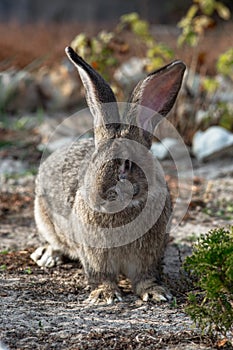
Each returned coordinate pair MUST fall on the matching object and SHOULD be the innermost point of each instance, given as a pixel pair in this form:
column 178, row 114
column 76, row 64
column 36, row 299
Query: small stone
column 130, row 72
column 212, row 143
column 60, row 87
column 169, row 148
column 19, row 91
column 10, row 166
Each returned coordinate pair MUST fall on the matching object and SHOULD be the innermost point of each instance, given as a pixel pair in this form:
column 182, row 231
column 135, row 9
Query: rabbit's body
column 96, row 204
column 131, row 259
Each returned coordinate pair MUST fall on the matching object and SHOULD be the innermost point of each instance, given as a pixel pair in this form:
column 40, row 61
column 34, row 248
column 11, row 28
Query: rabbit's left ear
column 100, row 98
column 158, row 93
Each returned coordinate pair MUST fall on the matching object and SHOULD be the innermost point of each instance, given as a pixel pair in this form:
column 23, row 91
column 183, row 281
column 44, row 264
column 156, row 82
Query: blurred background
column 30, row 29
column 123, row 40
column 91, row 11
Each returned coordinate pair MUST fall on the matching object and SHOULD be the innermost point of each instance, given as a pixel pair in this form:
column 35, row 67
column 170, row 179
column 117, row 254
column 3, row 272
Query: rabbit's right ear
column 157, row 92
column 100, row 98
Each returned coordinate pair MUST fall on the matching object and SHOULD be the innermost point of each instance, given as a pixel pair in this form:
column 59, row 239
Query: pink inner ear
column 151, row 99
column 161, row 89
column 159, row 92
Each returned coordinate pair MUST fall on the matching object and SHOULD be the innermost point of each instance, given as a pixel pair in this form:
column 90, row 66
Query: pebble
column 10, row 166
column 212, row 143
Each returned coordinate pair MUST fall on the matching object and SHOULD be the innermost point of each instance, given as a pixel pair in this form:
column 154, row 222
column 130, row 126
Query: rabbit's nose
column 122, row 176
column 111, row 195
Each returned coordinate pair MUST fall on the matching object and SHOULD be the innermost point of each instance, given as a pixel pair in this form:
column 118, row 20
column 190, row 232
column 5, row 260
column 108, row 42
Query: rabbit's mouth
column 122, row 190
column 112, row 195
column 119, row 196
column 115, row 199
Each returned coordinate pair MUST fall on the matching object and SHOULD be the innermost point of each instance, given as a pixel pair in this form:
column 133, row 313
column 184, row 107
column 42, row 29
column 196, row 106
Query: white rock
column 10, row 166
column 18, row 91
column 56, row 128
column 212, row 143
column 169, row 148
column 53, row 146
column 193, row 82
column 60, row 87
column 3, row 346
column 201, row 116
column 225, row 90
column 131, row 71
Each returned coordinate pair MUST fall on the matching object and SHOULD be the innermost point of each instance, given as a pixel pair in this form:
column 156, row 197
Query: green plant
column 192, row 238
column 4, row 252
column 174, row 303
column 224, row 66
column 97, row 51
column 223, row 209
column 218, row 113
column 221, row 112
column 40, row 324
column 136, row 24
column 156, row 53
column 226, row 116
column 198, row 19
column 24, row 122
column 193, row 27
column 211, row 305
column 225, row 63
column 15, row 176
column 105, row 50
column 28, row 271
column 210, row 85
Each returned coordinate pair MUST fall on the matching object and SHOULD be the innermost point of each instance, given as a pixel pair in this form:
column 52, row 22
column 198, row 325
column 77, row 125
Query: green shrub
column 225, row 63
column 198, row 19
column 211, row 305
column 156, row 53
column 97, row 51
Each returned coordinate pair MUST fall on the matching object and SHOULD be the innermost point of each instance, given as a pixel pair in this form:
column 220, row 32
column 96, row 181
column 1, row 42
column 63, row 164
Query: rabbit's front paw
column 153, row 291
column 45, row 256
column 105, row 293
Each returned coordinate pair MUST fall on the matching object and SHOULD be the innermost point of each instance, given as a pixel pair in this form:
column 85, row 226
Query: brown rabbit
column 105, row 201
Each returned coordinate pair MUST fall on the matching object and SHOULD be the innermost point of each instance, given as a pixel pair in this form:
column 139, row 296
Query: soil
column 44, row 309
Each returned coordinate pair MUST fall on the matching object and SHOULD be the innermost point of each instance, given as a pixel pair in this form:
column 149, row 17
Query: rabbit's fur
column 89, row 196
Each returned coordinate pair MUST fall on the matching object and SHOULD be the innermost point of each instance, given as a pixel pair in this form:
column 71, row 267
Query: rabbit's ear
column 100, row 97
column 158, row 93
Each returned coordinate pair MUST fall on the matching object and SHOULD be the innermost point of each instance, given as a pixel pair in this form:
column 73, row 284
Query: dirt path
column 43, row 309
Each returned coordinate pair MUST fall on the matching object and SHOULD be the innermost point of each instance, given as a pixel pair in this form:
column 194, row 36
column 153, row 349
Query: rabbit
column 104, row 200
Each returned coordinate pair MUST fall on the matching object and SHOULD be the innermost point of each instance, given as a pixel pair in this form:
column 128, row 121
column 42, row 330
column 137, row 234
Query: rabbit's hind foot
column 106, row 293
column 46, row 256
column 151, row 291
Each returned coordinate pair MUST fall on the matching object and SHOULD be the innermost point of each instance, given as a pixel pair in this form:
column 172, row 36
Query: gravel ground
column 44, row 309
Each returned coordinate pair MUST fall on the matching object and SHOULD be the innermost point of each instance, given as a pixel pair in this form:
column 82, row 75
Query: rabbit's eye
column 124, row 169
column 128, row 165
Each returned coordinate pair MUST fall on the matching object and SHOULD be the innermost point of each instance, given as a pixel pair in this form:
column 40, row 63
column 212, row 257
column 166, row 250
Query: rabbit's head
column 122, row 167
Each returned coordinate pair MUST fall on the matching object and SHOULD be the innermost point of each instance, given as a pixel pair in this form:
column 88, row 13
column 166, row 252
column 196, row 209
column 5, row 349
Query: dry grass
column 43, row 44
column 20, row 45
